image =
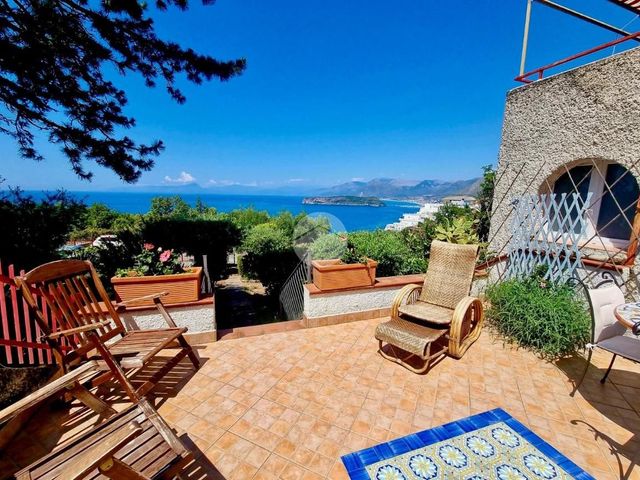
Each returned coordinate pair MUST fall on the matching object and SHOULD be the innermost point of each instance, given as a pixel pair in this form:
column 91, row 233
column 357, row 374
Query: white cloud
column 221, row 183
column 357, row 179
column 183, row 178
column 226, row 183
column 296, row 180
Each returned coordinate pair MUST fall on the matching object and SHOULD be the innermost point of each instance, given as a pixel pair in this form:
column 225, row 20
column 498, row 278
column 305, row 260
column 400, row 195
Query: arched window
column 612, row 206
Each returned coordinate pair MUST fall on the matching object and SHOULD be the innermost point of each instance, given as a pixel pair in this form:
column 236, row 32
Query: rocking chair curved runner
column 89, row 323
column 440, row 313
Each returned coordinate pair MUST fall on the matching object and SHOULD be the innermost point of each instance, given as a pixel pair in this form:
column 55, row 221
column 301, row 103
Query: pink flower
column 166, row 255
column 148, row 246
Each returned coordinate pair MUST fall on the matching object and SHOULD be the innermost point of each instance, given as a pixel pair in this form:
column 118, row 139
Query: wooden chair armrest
column 153, row 296
column 465, row 304
column 100, row 453
column 407, row 295
column 467, row 309
column 157, row 301
column 52, row 388
column 72, row 331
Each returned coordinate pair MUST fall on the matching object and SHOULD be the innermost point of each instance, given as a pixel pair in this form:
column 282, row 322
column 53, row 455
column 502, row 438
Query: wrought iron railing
column 292, row 292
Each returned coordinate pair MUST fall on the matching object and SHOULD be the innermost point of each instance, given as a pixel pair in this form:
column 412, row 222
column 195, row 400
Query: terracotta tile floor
column 287, row 405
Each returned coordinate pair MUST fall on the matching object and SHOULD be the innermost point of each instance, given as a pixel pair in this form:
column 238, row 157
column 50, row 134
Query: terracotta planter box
column 182, row 287
column 335, row 275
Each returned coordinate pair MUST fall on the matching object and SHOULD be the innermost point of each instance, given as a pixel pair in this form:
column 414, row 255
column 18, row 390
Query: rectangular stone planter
column 335, row 275
column 182, row 287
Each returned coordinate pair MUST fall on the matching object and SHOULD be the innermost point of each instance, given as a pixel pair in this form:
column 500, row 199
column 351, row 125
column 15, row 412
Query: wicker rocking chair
column 437, row 314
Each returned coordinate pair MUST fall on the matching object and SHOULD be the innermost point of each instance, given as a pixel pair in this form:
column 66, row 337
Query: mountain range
column 391, row 187
column 377, row 187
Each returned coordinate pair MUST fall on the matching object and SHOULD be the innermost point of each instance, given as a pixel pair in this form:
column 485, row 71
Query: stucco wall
column 592, row 112
column 198, row 318
column 326, row 304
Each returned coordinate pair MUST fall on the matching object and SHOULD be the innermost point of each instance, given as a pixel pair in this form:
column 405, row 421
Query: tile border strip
column 356, row 462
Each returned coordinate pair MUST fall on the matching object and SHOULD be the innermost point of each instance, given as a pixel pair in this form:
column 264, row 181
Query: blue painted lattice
column 547, row 230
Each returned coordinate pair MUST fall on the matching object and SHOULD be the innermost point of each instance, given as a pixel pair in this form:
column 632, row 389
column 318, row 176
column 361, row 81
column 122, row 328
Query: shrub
column 449, row 212
column 268, row 256
column 111, row 256
column 35, row 230
column 175, row 207
column 459, row 230
column 153, row 261
column 485, row 199
column 327, row 246
column 247, row 218
column 388, row 248
column 545, row 317
column 214, row 238
column 419, row 238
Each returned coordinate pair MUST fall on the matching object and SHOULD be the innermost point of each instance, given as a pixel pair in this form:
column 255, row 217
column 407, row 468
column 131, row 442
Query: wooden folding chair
column 136, row 444
column 13, row 417
column 90, row 323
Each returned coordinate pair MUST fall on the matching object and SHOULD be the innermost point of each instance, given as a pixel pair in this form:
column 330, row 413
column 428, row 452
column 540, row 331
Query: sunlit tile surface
column 289, row 404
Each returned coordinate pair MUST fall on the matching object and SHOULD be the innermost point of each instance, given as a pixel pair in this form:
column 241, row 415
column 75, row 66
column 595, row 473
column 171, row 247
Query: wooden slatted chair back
column 76, row 297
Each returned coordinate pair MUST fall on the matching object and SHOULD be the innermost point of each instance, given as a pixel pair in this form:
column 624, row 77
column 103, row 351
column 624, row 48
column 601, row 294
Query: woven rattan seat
column 409, row 336
column 422, row 314
column 427, row 312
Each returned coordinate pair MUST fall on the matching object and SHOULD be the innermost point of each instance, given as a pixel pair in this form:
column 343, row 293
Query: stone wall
column 591, row 112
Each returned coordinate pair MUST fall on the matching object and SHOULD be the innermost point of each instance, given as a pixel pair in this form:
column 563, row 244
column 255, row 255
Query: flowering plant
column 153, row 261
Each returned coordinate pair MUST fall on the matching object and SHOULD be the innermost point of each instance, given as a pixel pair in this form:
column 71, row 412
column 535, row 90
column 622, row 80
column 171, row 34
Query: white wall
column 337, row 303
column 198, row 318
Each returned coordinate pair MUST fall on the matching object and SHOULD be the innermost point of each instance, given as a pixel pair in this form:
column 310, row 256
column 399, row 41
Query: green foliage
column 327, row 246
column 353, row 254
column 99, row 215
column 269, row 256
column 212, row 237
column 111, row 256
column 419, row 238
column 201, row 210
column 269, row 249
column 459, row 230
column 485, row 199
column 61, row 61
column 247, row 218
column 449, row 212
column 152, row 260
column 98, row 219
column 388, row 248
column 177, row 208
column 545, row 317
column 35, row 230
column 169, row 207
column 127, row 222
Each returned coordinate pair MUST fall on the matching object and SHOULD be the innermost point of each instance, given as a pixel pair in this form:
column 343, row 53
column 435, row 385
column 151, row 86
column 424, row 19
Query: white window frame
column 596, row 187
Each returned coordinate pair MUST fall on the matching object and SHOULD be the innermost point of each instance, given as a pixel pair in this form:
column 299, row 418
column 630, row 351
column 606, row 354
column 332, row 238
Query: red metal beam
column 633, row 5
column 524, row 78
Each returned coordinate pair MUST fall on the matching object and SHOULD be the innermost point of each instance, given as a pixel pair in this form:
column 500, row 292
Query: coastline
column 403, row 201
column 352, row 217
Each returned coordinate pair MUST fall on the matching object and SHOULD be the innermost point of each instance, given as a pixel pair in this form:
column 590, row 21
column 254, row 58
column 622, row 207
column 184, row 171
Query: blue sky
column 335, row 90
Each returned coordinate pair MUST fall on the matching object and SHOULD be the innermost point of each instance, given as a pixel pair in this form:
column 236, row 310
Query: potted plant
column 157, row 270
column 350, row 271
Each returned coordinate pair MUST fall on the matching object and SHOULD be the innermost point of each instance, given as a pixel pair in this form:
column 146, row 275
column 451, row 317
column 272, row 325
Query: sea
column 342, row 217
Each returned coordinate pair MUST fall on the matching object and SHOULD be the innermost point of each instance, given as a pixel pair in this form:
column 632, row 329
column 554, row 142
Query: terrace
column 289, row 400
column 289, row 404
